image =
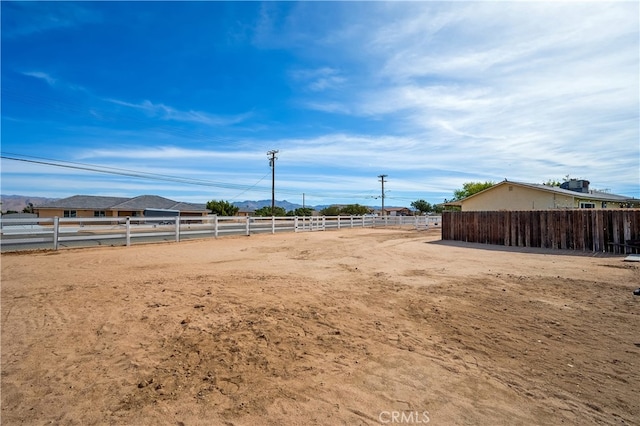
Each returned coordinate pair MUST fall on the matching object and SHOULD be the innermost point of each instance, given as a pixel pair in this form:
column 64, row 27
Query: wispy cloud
column 57, row 83
column 168, row 153
column 326, row 106
column 320, row 79
column 39, row 17
column 510, row 90
column 168, row 113
column 433, row 93
column 42, row 76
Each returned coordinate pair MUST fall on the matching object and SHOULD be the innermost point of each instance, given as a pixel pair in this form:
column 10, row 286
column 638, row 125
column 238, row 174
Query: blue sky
column 190, row 96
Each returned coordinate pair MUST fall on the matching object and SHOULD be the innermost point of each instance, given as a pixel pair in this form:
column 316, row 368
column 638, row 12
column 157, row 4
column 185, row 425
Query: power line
column 120, row 172
column 251, row 187
column 177, row 179
column 51, row 104
column 159, row 177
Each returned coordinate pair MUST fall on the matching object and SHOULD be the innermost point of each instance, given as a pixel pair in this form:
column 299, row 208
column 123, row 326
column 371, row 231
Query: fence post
column 248, row 230
column 273, row 224
column 56, row 226
column 215, row 226
column 324, row 220
column 177, row 229
column 295, row 224
column 338, row 222
column 128, row 228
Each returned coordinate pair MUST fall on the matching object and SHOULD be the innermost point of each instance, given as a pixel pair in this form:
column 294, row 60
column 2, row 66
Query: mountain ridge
column 20, row 202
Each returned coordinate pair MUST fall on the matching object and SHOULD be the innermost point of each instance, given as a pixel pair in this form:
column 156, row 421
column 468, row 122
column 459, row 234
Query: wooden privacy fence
column 614, row 231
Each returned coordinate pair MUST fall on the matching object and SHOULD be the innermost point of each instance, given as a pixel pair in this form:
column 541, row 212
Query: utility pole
column 383, row 181
column 272, row 164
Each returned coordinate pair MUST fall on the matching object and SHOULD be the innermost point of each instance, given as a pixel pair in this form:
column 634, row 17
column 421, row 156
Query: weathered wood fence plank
column 580, row 229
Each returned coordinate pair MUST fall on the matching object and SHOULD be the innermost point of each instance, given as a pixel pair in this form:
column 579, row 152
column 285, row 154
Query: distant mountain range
column 19, row 202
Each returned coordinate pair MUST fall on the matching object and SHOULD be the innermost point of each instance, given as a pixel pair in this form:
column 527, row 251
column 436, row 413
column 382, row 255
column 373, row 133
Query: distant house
column 573, row 194
column 397, row 211
column 96, row 206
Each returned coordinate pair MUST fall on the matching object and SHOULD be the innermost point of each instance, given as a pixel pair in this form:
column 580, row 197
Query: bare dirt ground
column 365, row 326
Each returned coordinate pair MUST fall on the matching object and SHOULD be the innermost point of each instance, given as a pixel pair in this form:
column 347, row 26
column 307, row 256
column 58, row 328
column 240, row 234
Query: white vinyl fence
column 47, row 233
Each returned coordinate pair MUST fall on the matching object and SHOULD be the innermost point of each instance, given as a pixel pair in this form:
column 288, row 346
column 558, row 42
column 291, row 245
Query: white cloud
column 168, row 153
column 320, row 79
column 326, row 106
column 518, row 88
column 42, row 76
column 165, row 112
column 34, row 17
column 458, row 91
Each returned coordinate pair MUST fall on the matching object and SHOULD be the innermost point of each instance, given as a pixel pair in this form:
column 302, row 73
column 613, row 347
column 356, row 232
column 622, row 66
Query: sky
column 185, row 99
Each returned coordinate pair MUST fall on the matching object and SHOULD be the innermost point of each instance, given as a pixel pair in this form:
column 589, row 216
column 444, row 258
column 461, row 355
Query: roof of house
column 91, row 202
column 591, row 195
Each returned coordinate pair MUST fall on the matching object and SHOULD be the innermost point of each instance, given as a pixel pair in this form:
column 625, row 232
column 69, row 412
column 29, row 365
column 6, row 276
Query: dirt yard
column 365, row 326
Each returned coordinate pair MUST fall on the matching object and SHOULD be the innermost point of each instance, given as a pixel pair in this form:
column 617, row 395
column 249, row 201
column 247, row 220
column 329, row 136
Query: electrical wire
column 251, row 187
column 58, row 105
column 66, row 106
column 120, row 172
column 160, row 177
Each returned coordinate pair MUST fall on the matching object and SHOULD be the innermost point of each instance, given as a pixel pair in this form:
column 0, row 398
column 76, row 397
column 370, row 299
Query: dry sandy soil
column 365, row 326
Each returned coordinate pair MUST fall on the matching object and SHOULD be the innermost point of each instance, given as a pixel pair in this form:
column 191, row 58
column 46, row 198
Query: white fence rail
column 47, row 233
